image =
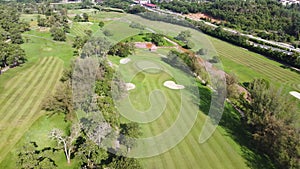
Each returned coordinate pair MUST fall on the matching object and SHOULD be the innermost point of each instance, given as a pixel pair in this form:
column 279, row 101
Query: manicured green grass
column 96, row 16
column 21, row 100
column 78, row 28
column 141, row 38
column 119, row 29
column 245, row 64
column 220, row 151
column 248, row 65
column 23, row 89
column 39, row 133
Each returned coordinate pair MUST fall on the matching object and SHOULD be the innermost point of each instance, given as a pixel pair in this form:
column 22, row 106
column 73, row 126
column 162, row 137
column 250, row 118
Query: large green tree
column 90, row 154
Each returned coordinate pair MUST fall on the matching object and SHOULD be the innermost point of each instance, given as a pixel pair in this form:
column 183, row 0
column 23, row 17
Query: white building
column 289, row 2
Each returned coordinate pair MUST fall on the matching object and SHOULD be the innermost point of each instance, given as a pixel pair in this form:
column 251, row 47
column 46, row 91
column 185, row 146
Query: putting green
column 148, row 66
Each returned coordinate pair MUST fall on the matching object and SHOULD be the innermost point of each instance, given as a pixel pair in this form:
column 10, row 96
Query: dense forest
column 268, row 18
column 11, row 54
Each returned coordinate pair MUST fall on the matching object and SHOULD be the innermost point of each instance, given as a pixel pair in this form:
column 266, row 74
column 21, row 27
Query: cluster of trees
column 120, row 4
column 95, row 139
column 122, row 49
column 193, row 65
column 136, row 9
column 58, row 23
column 281, row 22
column 184, row 36
column 83, row 18
column 165, row 18
column 272, row 119
column 11, row 54
column 157, row 39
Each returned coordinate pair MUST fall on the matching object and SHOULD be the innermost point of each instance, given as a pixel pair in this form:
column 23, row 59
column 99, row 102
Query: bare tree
column 66, row 141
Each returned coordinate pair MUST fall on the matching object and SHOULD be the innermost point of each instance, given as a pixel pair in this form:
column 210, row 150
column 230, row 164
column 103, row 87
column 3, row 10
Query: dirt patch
column 196, row 16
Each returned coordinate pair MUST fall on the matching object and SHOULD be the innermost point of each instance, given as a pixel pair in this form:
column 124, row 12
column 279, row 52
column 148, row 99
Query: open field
column 220, row 151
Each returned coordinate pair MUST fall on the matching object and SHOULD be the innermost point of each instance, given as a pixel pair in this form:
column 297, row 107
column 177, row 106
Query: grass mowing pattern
column 248, row 65
column 245, row 64
column 78, row 28
column 219, row 152
column 21, row 100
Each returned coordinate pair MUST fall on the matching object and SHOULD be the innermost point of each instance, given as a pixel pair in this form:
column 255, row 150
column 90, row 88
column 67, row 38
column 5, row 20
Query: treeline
column 292, row 60
column 94, row 140
column 272, row 119
column 121, row 4
column 282, row 23
column 11, row 28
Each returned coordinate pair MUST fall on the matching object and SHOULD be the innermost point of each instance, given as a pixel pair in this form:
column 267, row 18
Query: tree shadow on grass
column 235, row 127
column 233, row 124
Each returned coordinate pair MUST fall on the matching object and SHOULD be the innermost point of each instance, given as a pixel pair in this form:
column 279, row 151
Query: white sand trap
column 125, row 60
column 130, row 86
column 295, row 94
column 173, row 85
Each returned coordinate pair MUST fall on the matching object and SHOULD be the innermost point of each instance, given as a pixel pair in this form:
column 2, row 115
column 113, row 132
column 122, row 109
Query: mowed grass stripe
column 45, row 85
column 245, row 57
column 258, row 63
column 17, row 102
column 33, row 88
column 33, row 114
column 185, row 150
column 49, row 82
column 263, row 68
column 270, row 74
column 14, row 83
column 28, row 102
column 159, row 125
column 48, row 88
column 17, row 84
column 27, row 99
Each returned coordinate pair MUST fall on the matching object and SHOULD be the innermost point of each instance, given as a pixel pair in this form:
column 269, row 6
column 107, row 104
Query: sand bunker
column 130, row 86
column 173, row 85
column 295, row 94
column 125, row 60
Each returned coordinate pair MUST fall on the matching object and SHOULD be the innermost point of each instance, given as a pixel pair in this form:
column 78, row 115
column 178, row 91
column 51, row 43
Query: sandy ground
column 173, row 85
column 295, row 94
column 130, row 86
column 125, row 60
column 201, row 15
